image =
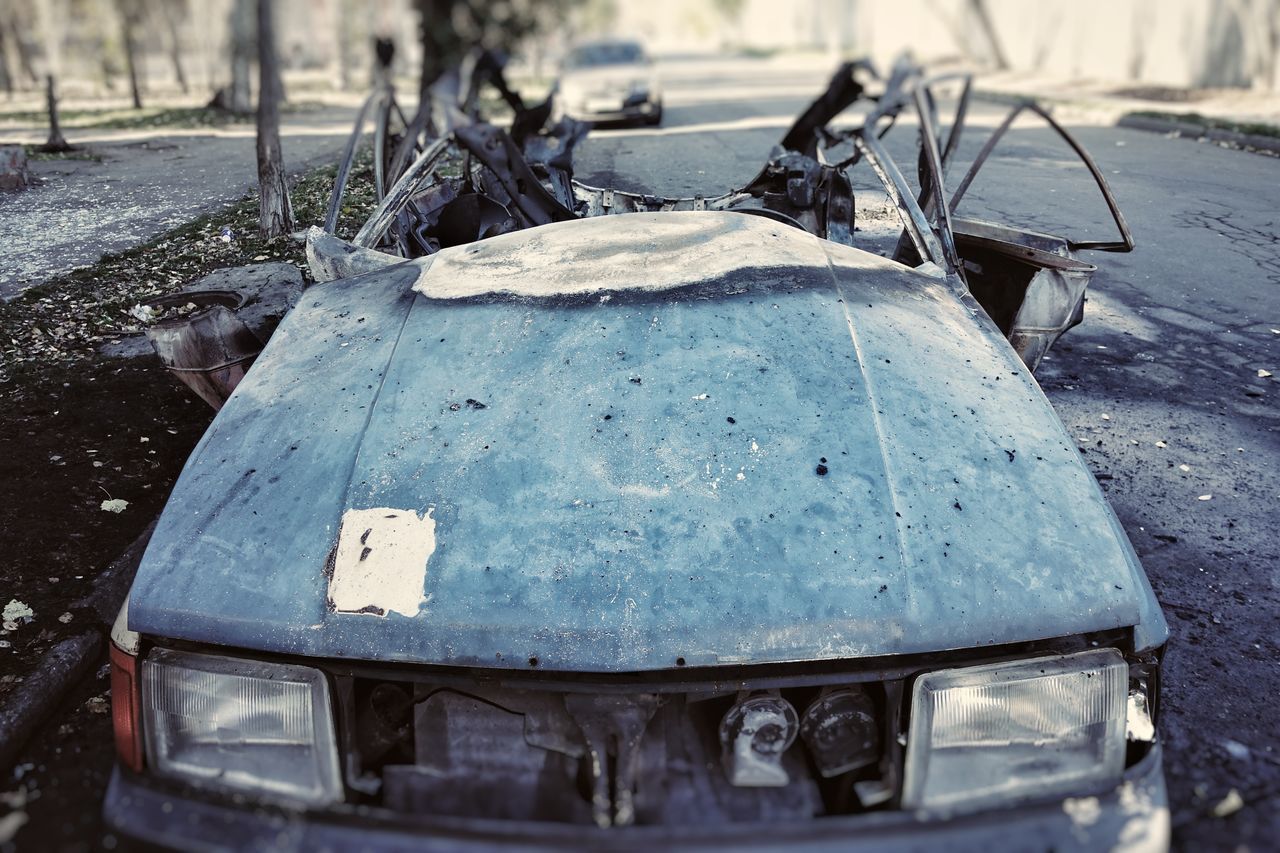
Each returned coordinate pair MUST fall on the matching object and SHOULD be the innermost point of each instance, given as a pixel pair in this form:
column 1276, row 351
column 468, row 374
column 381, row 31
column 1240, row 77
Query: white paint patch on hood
column 381, row 561
column 638, row 251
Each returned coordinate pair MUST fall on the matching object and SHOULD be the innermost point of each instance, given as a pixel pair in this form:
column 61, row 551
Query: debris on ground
column 16, row 612
column 68, row 393
column 1228, row 805
column 10, row 824
column 1236, row 749
column 66, row 318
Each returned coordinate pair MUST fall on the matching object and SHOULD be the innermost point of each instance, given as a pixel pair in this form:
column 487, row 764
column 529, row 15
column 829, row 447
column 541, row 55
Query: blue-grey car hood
column 831, row 459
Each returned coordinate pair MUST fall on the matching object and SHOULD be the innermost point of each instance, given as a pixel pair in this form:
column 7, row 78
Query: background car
column 607, row 81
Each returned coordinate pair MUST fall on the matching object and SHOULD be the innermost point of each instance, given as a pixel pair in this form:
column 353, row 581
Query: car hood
column 790, row 450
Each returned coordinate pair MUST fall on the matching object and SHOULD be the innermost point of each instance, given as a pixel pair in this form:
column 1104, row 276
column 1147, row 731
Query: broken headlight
column 242, row 724
column 991, row 734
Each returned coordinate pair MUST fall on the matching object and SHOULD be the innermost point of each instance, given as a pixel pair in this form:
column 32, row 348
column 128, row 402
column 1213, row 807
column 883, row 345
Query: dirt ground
column 78, row 429
column 91, row 432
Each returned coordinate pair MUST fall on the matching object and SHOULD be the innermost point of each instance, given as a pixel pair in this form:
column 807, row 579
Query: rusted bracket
column 612, row 726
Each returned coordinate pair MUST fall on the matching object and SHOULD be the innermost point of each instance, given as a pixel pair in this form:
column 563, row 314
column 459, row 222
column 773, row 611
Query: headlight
column 982, row 735
column 246, row 725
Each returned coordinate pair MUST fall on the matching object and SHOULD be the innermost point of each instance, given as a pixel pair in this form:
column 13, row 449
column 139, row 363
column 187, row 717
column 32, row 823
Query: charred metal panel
column 1030, row 284
column 833, row 460
column 330, row 258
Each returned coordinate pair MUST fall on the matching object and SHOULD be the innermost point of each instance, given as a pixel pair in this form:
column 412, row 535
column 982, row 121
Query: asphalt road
column 141, row 185
column 1160, row 385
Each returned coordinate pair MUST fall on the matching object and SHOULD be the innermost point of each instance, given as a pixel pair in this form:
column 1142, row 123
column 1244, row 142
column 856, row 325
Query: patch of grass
column 171, row 117
column 1250, row 128
column 64, row 319
column 148, row 118
column 35, row 154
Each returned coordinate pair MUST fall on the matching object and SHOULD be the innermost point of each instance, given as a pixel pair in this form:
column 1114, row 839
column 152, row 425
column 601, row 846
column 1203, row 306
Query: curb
column 31, row 704
column 1151, row 124
column 1192, row 130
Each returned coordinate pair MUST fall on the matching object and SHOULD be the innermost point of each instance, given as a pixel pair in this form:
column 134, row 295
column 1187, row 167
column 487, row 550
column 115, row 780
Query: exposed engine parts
column 754, row 734
column 617, row 759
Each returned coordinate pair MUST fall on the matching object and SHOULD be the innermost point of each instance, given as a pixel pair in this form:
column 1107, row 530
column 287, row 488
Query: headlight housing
column 983, row 735
column 247, row 725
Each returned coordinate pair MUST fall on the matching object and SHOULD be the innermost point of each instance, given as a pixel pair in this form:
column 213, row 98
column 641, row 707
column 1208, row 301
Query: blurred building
column 1180, row 43
column 1188, row 43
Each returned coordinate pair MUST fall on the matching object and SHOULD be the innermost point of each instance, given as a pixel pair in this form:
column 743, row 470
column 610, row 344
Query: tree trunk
column 57, row 143
column 240, row 99
column 129, row 20
column 26, row 58
column 174, row 11
column 979, row 9
column 275, row 213
column 343, row 28
column 6, row 68
column 441, row 48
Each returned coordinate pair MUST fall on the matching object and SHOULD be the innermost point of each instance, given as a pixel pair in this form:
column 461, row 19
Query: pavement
column 1109, row 98
column 145, row 183
column 1162, row 386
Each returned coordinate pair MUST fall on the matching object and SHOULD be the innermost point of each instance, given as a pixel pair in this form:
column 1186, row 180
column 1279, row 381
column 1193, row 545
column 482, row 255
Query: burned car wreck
column 695, row 525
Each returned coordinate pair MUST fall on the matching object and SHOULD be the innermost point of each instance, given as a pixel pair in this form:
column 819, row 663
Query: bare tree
column 6, row 64
column 17, row 19
column 275, row 212
column 130, row 17
column 174, row 13
column 56, row 143
column 346, row 21
column 441, row 47
column 104, row 53
column 983, row 17
column 991, row 52
column 730, row 12
column 449, row 28
column 238, row 96
column 1259, row 25
column 51, row 18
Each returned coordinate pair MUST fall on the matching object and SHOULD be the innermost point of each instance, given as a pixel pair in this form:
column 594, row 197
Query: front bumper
column 1132, row 816
column 626, row 110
